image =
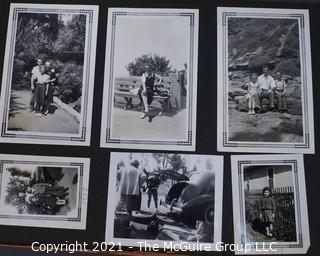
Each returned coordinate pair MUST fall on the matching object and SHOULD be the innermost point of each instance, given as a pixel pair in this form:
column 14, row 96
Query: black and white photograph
column 164, row 197
column 270, row 204
column 48, row 74
column 265, row 101
column 43, row 191
column 150, row 87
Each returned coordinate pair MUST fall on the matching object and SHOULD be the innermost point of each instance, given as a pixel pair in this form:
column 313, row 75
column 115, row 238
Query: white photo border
column 301, row 213
column 106, row 139
column 78, row 222
column 302, row 16
column 82, row 138
column 218, row 201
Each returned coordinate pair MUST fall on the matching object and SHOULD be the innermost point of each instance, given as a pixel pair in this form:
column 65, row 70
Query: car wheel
column 209, row 214
column 142, row 217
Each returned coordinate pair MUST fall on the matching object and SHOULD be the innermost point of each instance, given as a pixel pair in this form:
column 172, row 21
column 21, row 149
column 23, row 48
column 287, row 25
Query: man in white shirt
column 266, row 85
column 35, row 73
column 149, row 79
column 129, row 187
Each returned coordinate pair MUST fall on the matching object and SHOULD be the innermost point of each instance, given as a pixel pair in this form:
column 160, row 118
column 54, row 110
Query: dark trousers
column 39, row 95
column 282, row 102
column 153, row 192
column 269, row 95
column 130, row 202
column 49, row 98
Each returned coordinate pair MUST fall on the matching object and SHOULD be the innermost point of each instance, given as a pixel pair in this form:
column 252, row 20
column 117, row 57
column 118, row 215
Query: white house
column 260, row 176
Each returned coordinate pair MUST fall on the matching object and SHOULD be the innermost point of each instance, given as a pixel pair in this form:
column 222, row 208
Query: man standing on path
column 35, row 73
column 267, row 85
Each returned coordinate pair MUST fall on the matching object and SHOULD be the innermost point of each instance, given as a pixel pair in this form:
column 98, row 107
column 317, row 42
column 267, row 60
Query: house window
column 270, row 177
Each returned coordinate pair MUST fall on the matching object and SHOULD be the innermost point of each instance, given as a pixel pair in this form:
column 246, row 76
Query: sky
column 166, row 36
column 65, row 18
column 201, row 162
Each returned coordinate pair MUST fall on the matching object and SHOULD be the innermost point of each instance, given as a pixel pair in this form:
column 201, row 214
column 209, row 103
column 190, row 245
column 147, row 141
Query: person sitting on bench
column 149, row 79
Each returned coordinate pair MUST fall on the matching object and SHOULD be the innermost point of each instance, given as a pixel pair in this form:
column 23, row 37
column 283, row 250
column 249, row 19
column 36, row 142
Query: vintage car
column 189, row 210
column 192, row 200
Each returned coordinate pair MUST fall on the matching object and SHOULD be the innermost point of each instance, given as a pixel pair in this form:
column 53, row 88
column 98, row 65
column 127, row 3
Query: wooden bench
column 127, row 88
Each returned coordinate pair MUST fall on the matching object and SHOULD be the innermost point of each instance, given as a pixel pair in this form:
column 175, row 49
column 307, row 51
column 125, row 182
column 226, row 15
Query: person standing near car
column 129, row 186
column 153, row 182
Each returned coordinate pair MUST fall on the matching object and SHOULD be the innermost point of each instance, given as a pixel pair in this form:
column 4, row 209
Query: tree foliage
column 70, row 82
column 70, row 43
column 159, row 64
column 15, row 171
column 174, row 161
column 58, row 38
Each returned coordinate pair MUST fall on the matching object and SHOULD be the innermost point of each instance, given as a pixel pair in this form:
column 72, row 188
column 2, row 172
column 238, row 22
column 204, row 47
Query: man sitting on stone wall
column 267, row 85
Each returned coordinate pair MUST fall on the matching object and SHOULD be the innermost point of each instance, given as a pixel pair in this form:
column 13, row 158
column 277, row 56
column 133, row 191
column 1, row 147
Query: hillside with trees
column 253, row 43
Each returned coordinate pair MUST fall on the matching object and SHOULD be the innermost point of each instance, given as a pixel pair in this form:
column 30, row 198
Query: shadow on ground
column 154, row 110
column 16, row 107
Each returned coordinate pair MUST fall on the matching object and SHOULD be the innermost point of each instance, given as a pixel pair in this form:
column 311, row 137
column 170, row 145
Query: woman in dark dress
column 53, row 79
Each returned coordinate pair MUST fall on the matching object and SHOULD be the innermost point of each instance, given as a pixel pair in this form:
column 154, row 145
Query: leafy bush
column 70, row 82
column 252, row 207
column 15, row 171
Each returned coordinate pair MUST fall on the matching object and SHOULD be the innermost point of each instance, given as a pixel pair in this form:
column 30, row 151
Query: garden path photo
column 47, row 92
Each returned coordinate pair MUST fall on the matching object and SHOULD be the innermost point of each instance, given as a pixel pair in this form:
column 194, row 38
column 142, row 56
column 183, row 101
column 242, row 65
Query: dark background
column 206, row 124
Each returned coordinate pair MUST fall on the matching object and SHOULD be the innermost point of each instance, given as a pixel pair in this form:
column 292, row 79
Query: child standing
column 253, row 92
column 280, row 92
column 267, row 208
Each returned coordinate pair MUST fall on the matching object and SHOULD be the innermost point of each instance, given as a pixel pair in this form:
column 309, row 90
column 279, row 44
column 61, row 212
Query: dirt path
column 22, row 119
column 128, row 124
